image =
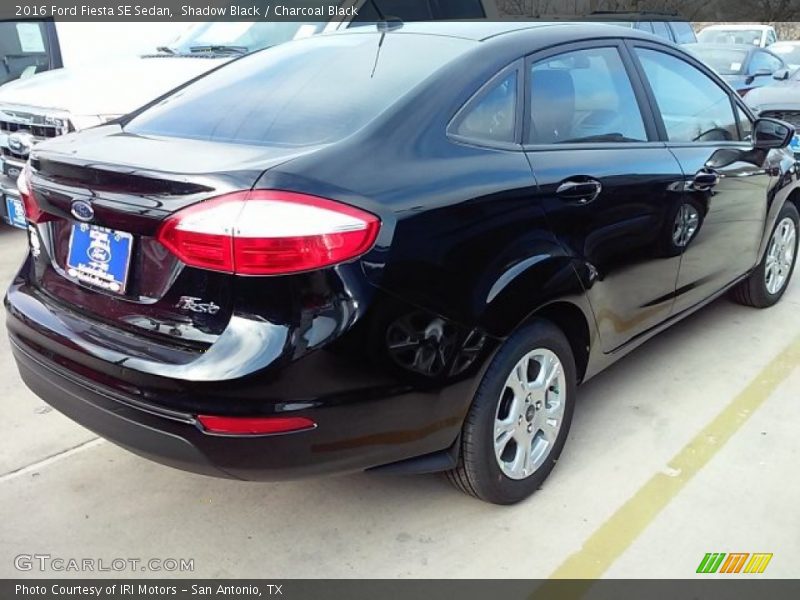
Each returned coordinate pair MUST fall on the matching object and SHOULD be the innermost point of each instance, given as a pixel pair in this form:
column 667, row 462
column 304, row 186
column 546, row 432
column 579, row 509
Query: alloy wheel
column 530, row 412
column 780, row 255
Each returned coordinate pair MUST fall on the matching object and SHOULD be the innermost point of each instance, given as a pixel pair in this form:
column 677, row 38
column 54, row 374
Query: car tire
column 767, row 283
column 514, row 403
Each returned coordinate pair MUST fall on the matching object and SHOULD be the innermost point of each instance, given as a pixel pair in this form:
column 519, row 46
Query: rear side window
column 684, row 34
column 309, row 92
column 693, row 107
column 583, row 96
column 493, row 116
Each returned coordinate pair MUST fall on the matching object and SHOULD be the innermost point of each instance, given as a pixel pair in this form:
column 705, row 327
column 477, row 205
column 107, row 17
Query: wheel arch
column 575, row 325
column 549, row 289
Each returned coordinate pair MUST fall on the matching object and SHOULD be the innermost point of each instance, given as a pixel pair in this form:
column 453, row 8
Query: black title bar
column 325, row 10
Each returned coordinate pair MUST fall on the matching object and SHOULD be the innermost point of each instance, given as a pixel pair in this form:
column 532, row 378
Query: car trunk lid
column 105, row 201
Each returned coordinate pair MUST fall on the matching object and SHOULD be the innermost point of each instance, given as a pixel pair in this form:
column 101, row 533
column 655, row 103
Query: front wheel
column 520, row 417
column 767, row 283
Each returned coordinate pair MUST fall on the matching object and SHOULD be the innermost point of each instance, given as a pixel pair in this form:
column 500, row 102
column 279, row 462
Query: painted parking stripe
column 620, row 530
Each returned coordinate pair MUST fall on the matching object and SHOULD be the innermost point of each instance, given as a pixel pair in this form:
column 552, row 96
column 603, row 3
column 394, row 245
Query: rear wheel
column 765, row 286
column 520, row 417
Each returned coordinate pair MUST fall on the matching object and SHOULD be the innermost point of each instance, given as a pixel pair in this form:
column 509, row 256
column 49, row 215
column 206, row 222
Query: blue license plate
column 16, row 212
column 100, row 257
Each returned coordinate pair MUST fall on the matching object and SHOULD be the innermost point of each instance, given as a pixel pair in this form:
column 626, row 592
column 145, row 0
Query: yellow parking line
column 614, row 536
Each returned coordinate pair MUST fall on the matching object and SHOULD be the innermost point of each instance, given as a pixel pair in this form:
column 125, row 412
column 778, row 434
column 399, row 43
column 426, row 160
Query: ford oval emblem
column 99, row 254
column 82, row 211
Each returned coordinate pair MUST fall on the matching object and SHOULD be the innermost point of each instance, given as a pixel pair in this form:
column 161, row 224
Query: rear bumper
column 346, row 439
column 166, row 440
column 366, row 416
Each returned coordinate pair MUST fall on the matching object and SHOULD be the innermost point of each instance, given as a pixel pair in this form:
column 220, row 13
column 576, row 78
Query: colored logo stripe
column 713, row 562
column 758, row 563
column 734, row 562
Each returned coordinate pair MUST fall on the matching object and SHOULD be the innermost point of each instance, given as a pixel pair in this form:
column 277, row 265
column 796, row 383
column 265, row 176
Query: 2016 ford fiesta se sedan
column 396, row 249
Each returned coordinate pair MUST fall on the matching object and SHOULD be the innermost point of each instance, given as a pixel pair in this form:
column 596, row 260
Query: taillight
column 267, row 232
column 254, row 425
column 32, row 210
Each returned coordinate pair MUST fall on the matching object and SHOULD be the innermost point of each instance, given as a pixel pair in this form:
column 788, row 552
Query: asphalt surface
column 688, row 446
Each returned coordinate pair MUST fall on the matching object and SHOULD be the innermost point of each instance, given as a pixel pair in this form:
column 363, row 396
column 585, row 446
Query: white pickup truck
column 97, row 90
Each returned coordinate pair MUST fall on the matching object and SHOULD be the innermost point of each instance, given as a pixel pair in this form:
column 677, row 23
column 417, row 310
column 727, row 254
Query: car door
column 724, row 205
column 605, row 181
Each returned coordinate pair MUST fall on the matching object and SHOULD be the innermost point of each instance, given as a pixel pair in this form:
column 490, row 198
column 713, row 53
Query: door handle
column 582, row 192
column 704, row 180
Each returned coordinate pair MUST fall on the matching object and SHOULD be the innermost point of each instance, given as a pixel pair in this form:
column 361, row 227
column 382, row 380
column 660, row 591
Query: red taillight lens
column 265, row 232
column 254, row 425
column 32, row 210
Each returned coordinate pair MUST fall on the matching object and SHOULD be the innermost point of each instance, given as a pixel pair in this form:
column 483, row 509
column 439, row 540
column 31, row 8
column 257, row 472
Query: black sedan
column 743, row 66
column 398, row 249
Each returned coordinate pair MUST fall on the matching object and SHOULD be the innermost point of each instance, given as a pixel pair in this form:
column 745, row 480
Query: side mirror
column 771, row 133
column 781, row 74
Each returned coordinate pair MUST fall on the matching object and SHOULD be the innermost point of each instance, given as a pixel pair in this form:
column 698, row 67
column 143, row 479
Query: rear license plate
column 99, row 256
column 16, row 212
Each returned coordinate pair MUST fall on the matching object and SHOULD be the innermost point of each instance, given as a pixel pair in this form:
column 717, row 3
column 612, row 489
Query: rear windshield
column 309, row 92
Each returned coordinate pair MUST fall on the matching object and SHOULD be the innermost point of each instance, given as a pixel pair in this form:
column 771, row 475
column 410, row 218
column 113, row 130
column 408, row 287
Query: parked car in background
column 57, row 79
column 789, row 51
column 98, row 89
column 31, row 47
column 26, row 48
column 780, row 100
column 664, row 26
column 437, row 234
column 739, row 33
column 743, row 67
